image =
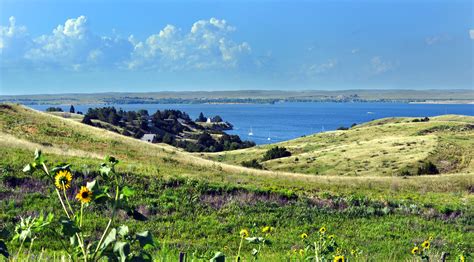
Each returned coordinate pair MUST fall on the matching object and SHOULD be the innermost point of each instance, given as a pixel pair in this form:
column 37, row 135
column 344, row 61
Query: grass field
column 198, row 205
column 385, row 147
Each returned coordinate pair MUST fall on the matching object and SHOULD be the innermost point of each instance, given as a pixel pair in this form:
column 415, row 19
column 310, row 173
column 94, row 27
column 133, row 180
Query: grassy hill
column 198, row 205
column 385, row 147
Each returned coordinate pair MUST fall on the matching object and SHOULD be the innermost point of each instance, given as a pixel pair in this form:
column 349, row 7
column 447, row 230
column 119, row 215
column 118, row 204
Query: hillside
column 385, row 147
column 198, row 206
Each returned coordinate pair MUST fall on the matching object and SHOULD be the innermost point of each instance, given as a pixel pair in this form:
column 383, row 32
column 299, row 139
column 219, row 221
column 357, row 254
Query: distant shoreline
column 446, row 102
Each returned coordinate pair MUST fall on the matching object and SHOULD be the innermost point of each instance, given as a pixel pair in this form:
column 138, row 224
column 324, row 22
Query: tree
column 168, row 139
column 206, row 140
column 201, row 118
column 428, row 168
column 54, row 109
column 87, row 120
column 217, row 119
column 72, row 109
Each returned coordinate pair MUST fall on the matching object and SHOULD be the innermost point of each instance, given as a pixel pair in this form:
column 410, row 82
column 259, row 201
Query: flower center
column 85, row 194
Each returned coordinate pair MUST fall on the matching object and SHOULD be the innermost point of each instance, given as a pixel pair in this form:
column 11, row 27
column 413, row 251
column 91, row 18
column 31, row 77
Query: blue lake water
column 272, row 123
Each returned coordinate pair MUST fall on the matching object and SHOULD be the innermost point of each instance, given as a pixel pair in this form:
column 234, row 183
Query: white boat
column 251, row 132
column 269, row 138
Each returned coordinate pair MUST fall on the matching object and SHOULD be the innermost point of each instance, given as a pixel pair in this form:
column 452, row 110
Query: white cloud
column 320, row 69
column 437, row 39
column 13, row 40
column 206, row 45
column 355, row 51
column 471, row 33
column 379, row 66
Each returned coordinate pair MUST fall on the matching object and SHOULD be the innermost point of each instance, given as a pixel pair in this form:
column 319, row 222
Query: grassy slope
column 382, row 147
column 208, row 216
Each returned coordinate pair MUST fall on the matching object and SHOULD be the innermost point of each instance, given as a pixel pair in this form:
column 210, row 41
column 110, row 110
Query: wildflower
column 353, row 252
column 301, row 252
column 331, row 237
column 430, row 238
column 322, row 230
column 304, row 236
column 426, row 245
column 415, row 250
column 63, row 179
column 244, row 233
column 85, row 195
column 267, row 229
column 339, row 259
column 338, row 250
column 461, row 258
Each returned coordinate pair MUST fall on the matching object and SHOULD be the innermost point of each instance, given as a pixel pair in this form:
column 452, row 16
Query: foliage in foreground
column 117, row 243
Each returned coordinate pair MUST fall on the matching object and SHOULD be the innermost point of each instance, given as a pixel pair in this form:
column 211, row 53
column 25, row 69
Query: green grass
column 198, row 206
column 383, row 147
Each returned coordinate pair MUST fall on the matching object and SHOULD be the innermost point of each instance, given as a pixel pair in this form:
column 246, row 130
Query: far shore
column 445, row 102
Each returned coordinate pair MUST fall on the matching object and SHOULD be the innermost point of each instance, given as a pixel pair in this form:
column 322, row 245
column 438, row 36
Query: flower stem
column 67, row 200
column 237, row 259
column 80, row 221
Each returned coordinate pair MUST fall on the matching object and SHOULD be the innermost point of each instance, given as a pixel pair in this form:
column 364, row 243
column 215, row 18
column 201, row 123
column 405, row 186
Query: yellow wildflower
column 85, row 195
column 426, row 245
column 322, row 230
column 304, row 236
column 301, row 252
column 339, row 259
column 63, row 179
column 244, row 233
column 415, row 250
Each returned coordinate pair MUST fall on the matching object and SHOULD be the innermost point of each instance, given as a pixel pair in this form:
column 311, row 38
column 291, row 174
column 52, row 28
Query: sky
column 133, row 46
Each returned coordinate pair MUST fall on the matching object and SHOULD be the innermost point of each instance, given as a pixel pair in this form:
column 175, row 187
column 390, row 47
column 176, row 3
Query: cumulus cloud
column 206, row 45
column 380, row 66
column 13, row 41
column 320, row 69
column 73, row 45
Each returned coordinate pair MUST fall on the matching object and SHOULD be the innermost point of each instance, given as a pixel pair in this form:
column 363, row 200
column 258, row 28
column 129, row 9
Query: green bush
column 276, row 152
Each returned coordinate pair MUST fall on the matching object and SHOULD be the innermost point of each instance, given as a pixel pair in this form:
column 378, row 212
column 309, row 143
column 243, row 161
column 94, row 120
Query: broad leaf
column 122, row 249
column 111, row 237
column 145, row 239
column 218, row 257
column 123, row 230
column 128, row 192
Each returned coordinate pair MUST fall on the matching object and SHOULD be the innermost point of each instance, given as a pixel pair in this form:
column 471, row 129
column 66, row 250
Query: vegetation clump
column 54, row 109
column 252, row 164
column 427, row 168
column 276, row 152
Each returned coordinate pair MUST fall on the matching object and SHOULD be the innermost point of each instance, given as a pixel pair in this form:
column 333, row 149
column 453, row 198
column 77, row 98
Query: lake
column 278, row 122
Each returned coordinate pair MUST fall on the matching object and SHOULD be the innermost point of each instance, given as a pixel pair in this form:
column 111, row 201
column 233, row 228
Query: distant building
column 208, row 120
column 148, row 137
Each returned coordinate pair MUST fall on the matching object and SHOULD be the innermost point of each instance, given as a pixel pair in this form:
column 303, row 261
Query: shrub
column 54, row 109
column 252, row 164
column 428, row 168
column 276, row 152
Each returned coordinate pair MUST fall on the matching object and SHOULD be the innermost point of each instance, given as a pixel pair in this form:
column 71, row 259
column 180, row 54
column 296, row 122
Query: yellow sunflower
column 63, row 179
column 426, row 245
column 339, row 259
column 244, row 233
column 331, row 237
column 415, row 250
column 461, row 258
column 85, row 195
column 430, row 238
column 304, row 236
column 322, row 230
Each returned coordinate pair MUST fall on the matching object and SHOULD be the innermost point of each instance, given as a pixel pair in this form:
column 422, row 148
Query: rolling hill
column 198, row 205
column 385, row 147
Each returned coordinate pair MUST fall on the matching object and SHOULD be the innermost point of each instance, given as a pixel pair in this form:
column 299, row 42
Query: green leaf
column 123, row 249
column 111, row 237
column 145, row 239
column 128, row 192
column 93, row 186
column 28, row 168
column 38, row 157
column 255, row 240
column 123, row 230
column 254, row 252
column 4, row 249
column 218, row 257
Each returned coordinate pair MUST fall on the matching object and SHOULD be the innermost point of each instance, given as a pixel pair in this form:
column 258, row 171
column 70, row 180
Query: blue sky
column 102, row 46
